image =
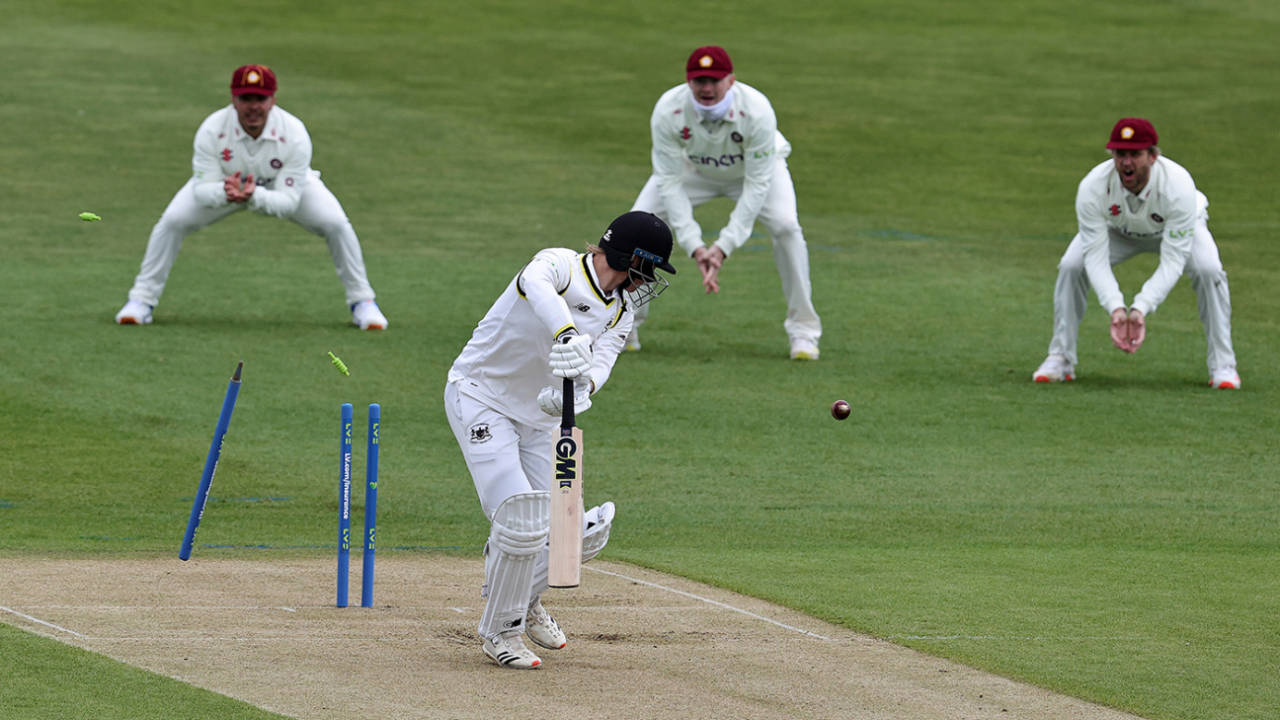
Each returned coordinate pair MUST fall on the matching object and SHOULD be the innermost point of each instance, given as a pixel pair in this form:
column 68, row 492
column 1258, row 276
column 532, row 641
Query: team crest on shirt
column 480, row 433
column 684, row 132
column 1156, row 217
column 735, row 136
column 1115, row 210
column 275, row 163
column 226, row 154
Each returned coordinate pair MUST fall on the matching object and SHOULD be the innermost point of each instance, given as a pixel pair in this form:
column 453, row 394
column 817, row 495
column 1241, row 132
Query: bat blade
column 564, row 562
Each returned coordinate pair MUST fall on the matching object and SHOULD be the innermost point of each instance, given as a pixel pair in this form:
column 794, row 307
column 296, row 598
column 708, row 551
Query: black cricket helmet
column 639, row 243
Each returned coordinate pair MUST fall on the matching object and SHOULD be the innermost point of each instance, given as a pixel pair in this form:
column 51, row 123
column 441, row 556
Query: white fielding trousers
column 318, row 212
column 1204, row 267
column 778, row 215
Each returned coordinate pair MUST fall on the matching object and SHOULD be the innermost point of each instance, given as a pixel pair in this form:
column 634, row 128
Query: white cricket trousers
column 778, row 215
column 318, row 212
column 1204, row 267
column 505, row 457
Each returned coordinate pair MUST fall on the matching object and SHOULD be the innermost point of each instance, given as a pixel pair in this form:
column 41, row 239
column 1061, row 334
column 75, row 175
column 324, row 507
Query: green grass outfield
column 1115, row 539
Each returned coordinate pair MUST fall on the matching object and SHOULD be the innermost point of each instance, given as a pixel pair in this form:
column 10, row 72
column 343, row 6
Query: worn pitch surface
column 641, row 645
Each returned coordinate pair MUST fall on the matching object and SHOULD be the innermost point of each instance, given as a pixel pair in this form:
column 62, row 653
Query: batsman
column 566, row 314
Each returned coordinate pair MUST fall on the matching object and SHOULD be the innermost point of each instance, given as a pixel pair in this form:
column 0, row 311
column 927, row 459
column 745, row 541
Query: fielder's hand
column 709, row 264
column 1137, row 330
column 238, row 191
column 571, row 358
column 1128, row 329
column 1120, row 329
column 551, row 399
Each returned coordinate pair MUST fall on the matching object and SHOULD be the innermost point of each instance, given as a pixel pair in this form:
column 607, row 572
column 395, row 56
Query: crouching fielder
column 565, row 315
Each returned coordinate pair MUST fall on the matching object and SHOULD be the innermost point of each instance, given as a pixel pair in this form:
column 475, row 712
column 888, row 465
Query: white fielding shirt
column 506, row 362
column 741, row 148
column 1166, row 209
column 279, row 159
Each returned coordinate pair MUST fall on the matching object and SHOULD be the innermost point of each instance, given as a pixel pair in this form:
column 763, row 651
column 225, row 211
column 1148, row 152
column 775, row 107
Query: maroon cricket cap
column 253, row 80
column 708, row 61
column 1132, row 134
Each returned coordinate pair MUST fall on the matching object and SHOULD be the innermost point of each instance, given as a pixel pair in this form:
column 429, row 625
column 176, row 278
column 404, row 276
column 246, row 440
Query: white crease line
column 710, row 602
column 1059, row 638
column 188, row 639
column 175, row 607
column 38, row 621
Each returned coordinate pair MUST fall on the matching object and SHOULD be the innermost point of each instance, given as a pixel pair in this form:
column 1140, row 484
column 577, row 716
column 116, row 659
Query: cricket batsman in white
column 564, row 315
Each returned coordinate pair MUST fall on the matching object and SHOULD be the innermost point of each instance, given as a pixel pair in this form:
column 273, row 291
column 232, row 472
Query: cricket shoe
column 802, row 349
column 1225, row 379
column 1055, row 368
column 633, row 341
column 134, row 312
column 508, row 650
column 367, row 315
column 542, row 629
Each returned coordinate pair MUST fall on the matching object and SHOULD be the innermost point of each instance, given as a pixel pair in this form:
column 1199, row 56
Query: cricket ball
column 840, row 409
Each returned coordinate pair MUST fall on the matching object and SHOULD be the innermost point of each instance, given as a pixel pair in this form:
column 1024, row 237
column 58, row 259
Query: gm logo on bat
column 566, row 466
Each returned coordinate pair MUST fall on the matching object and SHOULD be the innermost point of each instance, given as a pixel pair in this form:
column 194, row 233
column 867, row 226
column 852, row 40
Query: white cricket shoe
column 802, row 349
column 1055, row 368
column 508, row 650
column 633, row 341
column 1225, row 379
column 367, row 315
column 542, row 628
column 134, row 312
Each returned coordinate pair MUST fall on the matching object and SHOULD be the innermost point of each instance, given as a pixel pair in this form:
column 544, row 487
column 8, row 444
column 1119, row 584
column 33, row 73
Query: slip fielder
column 716, row 137
column 1139, row 201
column 252, row 155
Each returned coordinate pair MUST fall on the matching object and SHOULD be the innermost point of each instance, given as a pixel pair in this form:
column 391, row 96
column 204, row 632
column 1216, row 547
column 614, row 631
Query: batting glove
column 572, row 358
column 551, row 399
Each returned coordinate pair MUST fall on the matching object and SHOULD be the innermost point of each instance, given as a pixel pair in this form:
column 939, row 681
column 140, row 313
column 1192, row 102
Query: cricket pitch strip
column 642, row 644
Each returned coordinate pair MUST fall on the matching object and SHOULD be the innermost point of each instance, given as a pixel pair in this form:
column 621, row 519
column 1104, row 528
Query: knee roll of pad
column 522, row 523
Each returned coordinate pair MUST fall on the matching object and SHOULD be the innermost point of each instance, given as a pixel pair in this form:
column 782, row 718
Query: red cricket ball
column 840, row 409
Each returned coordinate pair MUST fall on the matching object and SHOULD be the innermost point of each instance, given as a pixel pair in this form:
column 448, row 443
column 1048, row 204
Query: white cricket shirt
column 506, row 363
column 740, row 149
column 1167, row 209
column 279, row 159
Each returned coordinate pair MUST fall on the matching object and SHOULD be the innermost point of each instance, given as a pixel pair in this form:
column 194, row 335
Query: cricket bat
column 564, row 563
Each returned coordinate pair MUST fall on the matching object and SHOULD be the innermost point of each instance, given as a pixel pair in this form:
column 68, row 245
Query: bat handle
column 566, row 418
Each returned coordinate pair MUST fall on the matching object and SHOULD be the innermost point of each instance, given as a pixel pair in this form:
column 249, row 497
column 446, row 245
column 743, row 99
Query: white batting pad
column 595, row 535
column 518, row 534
